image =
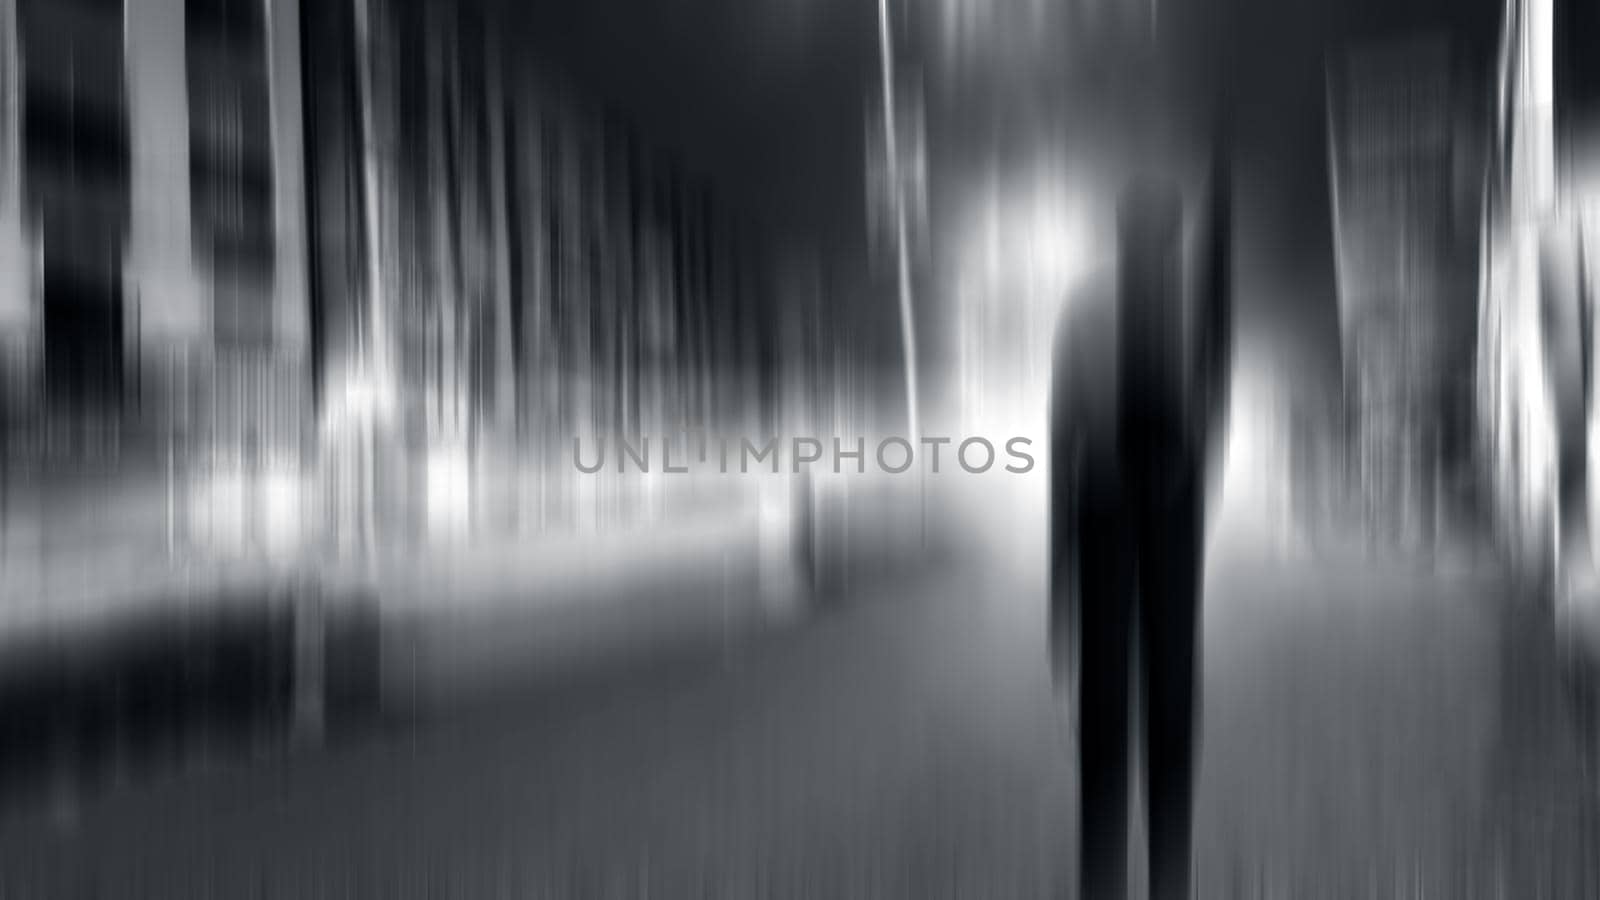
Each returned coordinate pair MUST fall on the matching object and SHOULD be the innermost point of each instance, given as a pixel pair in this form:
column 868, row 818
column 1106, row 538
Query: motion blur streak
column 306, row 307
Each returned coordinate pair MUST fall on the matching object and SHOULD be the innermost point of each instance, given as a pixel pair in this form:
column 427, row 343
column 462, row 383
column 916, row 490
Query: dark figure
column 1566, row 313
column 1140, row 377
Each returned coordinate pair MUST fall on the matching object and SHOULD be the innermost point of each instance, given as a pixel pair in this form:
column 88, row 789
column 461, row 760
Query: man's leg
column 1106, row 573
column 1170, row 572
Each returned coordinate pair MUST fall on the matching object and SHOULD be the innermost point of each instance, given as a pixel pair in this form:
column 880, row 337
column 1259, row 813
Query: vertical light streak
column 10, row 169
column 902, row 254
column 1514, row 394
column 14, row 295
column 504, row 372
column 1341, row 279
column 371, row 339
column 372, row 363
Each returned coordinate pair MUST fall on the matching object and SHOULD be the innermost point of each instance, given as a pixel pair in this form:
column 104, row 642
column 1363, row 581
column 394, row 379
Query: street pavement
column 1370, row 728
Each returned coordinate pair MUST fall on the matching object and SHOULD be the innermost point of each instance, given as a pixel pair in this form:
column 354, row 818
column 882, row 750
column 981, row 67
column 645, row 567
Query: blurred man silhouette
column 1566, row 328
column 1140, row 380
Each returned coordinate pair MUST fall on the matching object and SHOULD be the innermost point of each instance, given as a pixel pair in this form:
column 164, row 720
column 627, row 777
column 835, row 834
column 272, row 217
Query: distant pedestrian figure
column 1140, row 377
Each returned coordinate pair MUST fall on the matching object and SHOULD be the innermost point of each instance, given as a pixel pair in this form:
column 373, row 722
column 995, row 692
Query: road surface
column 1370, row 729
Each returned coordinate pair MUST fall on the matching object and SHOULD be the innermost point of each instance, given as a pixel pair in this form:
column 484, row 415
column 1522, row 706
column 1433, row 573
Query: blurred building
column 247, row 214
column 151, row 205
column 1516, row 409
column 360, row 251
column 501, row 265
column 1405, row 149
column 152, row 319
column 1541, row 236
column 67, row 207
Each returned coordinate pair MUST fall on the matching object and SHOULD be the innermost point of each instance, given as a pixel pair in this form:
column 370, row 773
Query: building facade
column 1405, row 157
column 355, row 271
column 151, row 215
column 1541, row 237
column 501, row 266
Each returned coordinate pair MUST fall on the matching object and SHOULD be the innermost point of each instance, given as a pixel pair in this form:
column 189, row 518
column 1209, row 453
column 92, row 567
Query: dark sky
column 763, row 96
column 768, row 97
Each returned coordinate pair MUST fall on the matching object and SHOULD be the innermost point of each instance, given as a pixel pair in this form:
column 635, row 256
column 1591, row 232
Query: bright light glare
column 280, row 491
column 237, row 510
column 1029, row 246
column 449, row 489
column 364, row 398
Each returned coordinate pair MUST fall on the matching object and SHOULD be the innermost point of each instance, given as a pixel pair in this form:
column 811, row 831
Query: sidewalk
column 120, row 658
column 460, row 624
